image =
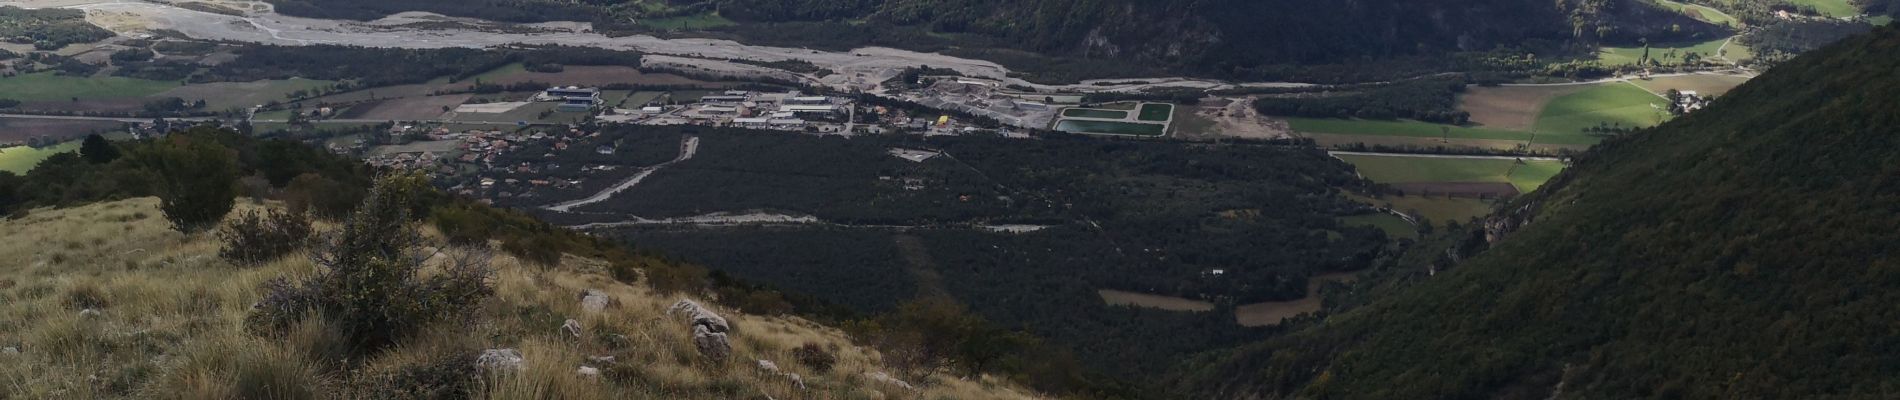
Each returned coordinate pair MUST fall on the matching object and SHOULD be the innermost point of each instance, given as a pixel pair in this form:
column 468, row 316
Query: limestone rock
column 699, row 316
column 594, row 301
column 713, row 345
column 501, row 359
column 572, row 327
column 886, row 378
column 588, row 372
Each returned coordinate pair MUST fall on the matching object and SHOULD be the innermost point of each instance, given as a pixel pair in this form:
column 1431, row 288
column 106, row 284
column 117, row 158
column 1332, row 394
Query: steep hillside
column 106, row 301
column 1743, row 251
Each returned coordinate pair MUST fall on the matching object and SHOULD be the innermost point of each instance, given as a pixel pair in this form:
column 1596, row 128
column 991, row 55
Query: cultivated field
column 1400, row 128
column 406, row 109
column 20, row 159
column 17, row 130
column 1513, row 108
column 1270, row 313
column 1704, row 84
column 1701, row 12
column 1566, row 118
column 46, row 86
column 1331, row 140
column 1522, row 175
column 1170, row 303
column 1666, row 53
column 1831, row 8
column 227, row 95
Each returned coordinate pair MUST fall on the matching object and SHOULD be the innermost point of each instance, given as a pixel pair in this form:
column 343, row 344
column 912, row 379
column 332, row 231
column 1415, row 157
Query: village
column 497, row 161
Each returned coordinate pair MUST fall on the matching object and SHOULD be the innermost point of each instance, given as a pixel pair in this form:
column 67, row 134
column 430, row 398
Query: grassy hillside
column 1745, row 251
column 170, row 324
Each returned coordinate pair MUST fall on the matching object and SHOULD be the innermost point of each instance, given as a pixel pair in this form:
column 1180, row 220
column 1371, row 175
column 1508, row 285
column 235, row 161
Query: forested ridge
column 1743, row 251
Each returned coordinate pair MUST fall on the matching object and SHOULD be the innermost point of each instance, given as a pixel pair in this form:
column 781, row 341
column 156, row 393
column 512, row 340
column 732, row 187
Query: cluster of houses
column 746, row 109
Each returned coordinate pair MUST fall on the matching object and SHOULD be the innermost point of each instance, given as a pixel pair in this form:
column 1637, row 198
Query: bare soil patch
column 17, row 130
column 130, row 104
column 1231, row 118
column 1170, row 303
column 1509, row 107
column 1273, row 312
column 408, row 108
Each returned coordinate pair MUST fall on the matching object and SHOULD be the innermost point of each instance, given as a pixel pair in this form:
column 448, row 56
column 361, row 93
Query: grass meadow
column 47, row 86
column 1565, row 118
column 167, row 323
column 1400, row 128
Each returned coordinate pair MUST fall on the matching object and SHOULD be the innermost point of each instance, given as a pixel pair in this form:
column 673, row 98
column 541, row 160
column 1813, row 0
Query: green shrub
column 538, row 249
column 197, row 180
column 816, row 357
column 255, row 238
column 370, row 287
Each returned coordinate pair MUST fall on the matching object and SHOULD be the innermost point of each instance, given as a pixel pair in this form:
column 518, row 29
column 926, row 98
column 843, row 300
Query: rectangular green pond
column 1156, row 112
column 1110, row 127
column 1094, row 113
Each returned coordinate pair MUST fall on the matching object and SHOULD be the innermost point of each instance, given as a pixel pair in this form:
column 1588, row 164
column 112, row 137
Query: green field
column 1661, row 52
column 227, row 95
column 1094, row 113
column 1399, row 128
column 20, row 159
column 1831, row 8
column 45, row 86
column 1565, row 119
column 1532, row 174
column 1396, row 169
column 1156, row 112
column 1393, row 226
column 1110, row 127
column 1701, row 12
column 1880, row 20
column 1526, row 176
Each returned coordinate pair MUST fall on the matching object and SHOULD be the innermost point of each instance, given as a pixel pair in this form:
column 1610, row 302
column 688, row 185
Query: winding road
column 688, row 148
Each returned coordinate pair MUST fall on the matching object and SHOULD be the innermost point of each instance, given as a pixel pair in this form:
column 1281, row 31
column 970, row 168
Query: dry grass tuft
column 169, row 316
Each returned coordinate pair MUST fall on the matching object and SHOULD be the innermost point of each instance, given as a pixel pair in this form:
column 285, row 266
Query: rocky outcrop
column 709, row 329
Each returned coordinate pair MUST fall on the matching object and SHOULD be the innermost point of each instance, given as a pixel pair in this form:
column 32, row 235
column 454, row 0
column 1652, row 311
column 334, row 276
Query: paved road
column 87, row 118
column 1473, row 157
column 688, row 148
column 1619, row 79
